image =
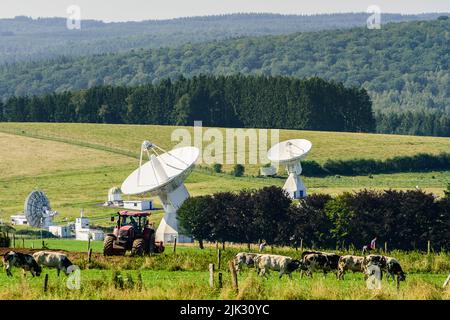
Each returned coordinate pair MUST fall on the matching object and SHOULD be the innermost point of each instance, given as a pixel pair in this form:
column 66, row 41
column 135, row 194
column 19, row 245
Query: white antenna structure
column 37, row 210
column 289, row 153
column 163, row 175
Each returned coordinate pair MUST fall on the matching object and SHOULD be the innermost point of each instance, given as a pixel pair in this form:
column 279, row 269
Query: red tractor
column 134, row 233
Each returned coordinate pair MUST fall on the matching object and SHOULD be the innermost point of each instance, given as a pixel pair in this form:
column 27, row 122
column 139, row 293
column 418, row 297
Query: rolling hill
column 76, row 164
column 404, row 66
column 26, row 39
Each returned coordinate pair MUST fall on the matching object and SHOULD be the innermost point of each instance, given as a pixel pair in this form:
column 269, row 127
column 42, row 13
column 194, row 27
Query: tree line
column 220, row 101
column 404, row 219
column 420, row 162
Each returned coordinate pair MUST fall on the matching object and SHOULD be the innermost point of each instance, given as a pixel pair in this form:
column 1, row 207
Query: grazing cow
column 387, row 264
column 351, row 263
column 244, row 258
column 21, row 260
column 282, row 264
column 53, row 260
column 321, row 261
column 393, row 268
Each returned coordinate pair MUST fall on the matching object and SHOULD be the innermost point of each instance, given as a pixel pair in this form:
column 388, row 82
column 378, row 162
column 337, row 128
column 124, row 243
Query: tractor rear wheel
column 138, row 247
column 108, row 246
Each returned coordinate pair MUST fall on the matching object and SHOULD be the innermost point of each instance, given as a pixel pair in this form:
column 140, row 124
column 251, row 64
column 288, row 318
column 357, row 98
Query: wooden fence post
column 46, row 282
column 175, row 245
column 385, row 247
column 219, row 256
column 89, row 255
column 301, row 245
column 429, row 247
column 23, row 242
column 234, row 279
column 220, row 279
column 211, row 275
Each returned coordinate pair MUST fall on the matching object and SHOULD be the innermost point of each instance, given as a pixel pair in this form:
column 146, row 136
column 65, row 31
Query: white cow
column 282, row 264
column 53, row 260
column 244, row 258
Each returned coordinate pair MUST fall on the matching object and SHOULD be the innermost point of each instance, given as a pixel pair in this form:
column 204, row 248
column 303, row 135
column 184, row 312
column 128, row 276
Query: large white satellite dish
column 289, row 153
column 163, row 175
column 37, row 210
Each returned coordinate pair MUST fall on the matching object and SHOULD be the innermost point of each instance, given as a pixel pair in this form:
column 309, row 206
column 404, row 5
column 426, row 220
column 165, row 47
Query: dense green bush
column 238, row 170
column 403, row 219
column 417, row 163
column 217, row 168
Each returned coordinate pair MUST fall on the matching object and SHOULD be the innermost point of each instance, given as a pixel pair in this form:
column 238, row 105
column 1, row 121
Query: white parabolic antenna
column 37, row 210
column 289, row 153
column 163, row 175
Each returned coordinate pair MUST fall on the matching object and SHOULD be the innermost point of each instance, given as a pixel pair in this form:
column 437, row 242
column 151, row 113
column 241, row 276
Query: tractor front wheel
column 108, row 246
column 138, row 247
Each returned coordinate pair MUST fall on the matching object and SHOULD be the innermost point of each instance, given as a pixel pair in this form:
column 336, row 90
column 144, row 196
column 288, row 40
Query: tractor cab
column 132, row 232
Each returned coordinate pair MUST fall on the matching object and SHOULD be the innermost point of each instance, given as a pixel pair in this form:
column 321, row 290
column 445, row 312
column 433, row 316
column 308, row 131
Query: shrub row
column 417, row 163
column 404, row 219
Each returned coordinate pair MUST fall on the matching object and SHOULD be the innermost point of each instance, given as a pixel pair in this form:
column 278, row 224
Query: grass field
column 76, row 164
column 184, row 275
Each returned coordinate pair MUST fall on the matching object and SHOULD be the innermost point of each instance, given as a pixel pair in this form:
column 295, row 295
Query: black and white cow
column 324, row 261
column 389, row 265
column 284, row 265
column 53, row 260
column 21, row 260
column 393, row 268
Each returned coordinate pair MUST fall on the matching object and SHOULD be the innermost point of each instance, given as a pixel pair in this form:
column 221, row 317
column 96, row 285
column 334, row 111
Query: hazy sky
column 122, row 10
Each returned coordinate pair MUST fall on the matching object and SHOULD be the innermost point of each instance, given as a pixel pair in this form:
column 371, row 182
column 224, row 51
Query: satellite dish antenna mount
column 289, row 153
column 163, row 175
column 37, row 210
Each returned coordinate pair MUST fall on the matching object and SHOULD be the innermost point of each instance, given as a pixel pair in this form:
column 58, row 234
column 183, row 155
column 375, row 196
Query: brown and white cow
column 350, row 263
column 21, row 260
column 284, row 265
column 53, row 260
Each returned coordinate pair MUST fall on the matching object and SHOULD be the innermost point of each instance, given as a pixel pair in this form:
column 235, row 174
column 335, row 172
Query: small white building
column 19, row 220
column 84, row 232
column 60, row 231
column 140, row 205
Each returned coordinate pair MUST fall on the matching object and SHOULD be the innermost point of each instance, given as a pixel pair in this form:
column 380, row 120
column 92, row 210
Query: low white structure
column 19, row 220
column 268, row 171
column 115, row 195
column 60, row 231
column 84, row 232
column 140, row 205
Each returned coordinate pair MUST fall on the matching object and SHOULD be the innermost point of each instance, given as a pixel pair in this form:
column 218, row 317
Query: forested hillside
column 404, row 66
column 223, row 101
column 26, row 39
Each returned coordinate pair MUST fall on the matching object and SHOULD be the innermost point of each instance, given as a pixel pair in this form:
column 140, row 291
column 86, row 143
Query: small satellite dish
column 163, row 175
column 289, row 153
column 37, row 210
